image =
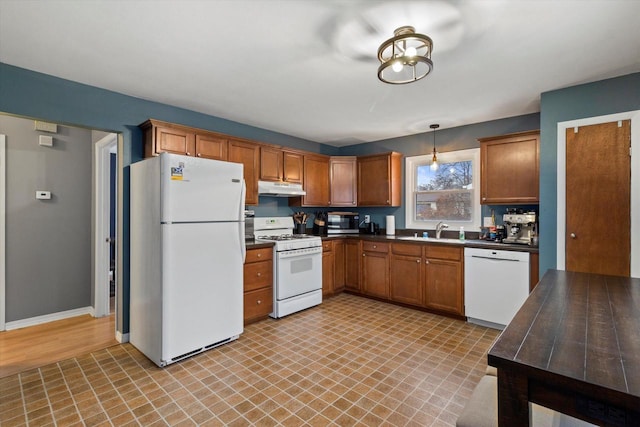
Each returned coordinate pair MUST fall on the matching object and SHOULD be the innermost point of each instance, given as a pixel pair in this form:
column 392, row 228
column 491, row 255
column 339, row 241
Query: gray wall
column 48, row 257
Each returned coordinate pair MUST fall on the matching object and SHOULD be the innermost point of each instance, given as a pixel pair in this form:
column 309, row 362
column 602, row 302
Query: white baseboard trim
column 32, row 321
column 122, row 338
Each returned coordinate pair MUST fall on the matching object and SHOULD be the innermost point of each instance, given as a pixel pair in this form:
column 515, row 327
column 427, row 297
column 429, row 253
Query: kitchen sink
column 430, row 239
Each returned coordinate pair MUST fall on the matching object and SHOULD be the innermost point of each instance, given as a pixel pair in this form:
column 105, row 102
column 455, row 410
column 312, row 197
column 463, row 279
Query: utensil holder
column 300, row 229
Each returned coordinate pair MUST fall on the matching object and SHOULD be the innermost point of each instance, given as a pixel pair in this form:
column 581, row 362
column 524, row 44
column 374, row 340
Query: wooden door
column 292, row 167
column 352, row 265
column 173, row 140
column 444, row 285
column 598, row 195
column 248, row 154
column 406, row 275
column 211, row 147
column 375, row 274
column 270, row 164
column 374, row 181
column 338, row 266
column 343, row 181
column 328, row 273
column 316, row 180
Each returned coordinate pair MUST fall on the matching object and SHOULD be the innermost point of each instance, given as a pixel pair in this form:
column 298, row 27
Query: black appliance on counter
column 371, row 228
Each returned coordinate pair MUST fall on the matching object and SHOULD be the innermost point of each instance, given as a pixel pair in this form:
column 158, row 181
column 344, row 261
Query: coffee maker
column 520, row 227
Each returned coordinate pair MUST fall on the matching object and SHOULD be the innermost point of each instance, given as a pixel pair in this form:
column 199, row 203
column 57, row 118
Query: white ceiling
column 308, row 68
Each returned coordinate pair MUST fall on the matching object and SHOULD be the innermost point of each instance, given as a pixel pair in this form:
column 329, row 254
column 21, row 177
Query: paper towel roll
column 391, row 225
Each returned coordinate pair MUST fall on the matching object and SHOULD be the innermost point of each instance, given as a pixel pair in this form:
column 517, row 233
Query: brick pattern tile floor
column 348, row 362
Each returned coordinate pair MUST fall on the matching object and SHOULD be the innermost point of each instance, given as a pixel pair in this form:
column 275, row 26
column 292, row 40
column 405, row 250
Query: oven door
column 297, row 272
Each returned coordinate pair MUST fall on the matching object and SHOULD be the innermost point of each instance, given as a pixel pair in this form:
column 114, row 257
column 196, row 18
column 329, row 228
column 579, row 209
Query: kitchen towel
column 391, row 225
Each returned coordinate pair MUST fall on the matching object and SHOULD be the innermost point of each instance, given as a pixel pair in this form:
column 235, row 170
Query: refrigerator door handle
column 241, row 220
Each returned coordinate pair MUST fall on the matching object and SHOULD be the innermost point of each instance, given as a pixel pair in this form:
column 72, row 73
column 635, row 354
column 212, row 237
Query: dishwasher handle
column 495, row 259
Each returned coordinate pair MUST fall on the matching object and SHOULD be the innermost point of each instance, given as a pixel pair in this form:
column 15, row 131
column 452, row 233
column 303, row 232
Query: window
column 449, row 194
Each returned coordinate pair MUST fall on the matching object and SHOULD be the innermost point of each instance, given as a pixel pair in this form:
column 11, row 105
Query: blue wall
column 589, row 100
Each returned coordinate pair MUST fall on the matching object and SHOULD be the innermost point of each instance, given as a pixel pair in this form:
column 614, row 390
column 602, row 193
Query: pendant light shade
column 405, row 57
column 434, row 159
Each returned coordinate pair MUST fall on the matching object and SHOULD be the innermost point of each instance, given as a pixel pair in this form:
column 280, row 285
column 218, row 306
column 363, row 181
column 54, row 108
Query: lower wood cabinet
column 352, row 260
column 375, row 269
column 407, row 274
column 444, row 278
column 328, row 268
column 258, row 284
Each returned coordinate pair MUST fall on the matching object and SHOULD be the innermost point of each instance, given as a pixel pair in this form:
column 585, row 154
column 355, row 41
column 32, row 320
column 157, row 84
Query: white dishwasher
column 496, row 284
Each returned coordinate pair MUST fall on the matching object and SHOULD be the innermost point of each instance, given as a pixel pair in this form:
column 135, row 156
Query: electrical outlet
column 367, row 219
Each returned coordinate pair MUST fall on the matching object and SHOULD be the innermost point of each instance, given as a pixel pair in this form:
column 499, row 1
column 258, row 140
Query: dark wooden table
column 574, row 347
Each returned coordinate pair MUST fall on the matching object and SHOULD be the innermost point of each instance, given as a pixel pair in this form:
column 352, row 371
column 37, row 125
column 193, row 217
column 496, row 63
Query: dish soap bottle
column 461, row 233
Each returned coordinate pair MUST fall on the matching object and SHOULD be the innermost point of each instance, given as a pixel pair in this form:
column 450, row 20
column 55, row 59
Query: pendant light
column 434, row 159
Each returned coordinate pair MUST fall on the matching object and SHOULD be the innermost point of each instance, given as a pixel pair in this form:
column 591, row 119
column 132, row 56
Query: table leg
column 513, row 399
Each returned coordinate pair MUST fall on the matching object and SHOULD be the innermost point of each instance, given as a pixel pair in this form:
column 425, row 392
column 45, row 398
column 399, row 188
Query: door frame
column 102, row 191
column 3, row 184
column 634, row 116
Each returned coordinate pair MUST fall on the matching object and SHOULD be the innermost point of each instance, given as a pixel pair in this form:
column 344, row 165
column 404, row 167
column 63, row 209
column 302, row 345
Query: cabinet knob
column 573, row 235
column 418, row 261
column 353, row 203
column 484, row 198
column 259, row 274
column 375, row 246
column 259, row 255
column 188, row 153
column 363, row 255
column 387, row 202
column 259, row 302
column 199, row 155
column 426, row 261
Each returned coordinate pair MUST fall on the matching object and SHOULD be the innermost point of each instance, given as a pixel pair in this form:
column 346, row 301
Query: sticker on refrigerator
column 177, row 172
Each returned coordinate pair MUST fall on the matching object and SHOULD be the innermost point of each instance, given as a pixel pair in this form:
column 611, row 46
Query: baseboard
column 122, row 338
column 38, row 320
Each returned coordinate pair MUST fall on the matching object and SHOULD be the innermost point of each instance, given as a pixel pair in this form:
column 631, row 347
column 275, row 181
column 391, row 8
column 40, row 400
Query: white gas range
column 297, row 265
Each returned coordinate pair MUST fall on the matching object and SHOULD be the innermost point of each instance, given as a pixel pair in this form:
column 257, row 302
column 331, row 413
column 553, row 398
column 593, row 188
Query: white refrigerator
column 187, row 252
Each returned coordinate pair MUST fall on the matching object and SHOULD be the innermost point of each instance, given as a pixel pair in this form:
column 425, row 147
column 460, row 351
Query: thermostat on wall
column 43, row 195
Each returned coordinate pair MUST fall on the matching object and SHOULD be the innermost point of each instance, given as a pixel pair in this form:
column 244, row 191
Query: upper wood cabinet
column 281, row 165
column 510, row 168
column 343, row 180
column 249, row 155
column 380, row 179
column 316, row 182
column 162, row 137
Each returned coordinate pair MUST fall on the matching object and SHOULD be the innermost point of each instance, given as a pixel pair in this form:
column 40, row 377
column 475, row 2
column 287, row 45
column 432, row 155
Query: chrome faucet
column 439, row 227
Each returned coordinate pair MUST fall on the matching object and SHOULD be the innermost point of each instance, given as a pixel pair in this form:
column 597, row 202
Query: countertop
column 470, row 243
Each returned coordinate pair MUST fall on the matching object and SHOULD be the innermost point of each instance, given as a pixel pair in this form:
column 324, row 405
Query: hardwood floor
column 35, row 346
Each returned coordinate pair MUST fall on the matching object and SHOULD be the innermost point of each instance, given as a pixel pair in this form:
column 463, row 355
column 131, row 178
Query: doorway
column 632, row 231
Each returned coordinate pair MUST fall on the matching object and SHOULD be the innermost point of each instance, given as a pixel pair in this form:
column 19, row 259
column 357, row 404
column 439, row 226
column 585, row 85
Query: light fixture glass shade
column 405, row 57
column 434, row 159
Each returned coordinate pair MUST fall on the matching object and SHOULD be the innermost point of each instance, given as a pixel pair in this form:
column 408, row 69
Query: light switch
column 43, row 195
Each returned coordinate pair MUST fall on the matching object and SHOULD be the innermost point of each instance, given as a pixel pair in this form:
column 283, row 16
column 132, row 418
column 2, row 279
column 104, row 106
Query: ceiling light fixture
column 434, row 159
column 405, row 57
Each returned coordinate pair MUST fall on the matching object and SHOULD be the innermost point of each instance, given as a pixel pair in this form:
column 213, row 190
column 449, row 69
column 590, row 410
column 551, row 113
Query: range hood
column 280, row 189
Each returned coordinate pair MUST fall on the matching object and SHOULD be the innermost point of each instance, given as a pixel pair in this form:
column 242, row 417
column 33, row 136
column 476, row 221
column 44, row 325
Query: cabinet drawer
column 443, row 252
column 258, row 303
column 327, row 246
column 407, row 249
column 263, row 254
column 258, row 275
column 375, row 247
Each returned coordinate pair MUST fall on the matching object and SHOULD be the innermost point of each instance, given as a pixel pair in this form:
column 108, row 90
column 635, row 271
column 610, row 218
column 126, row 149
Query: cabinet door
column 406, row 274
column 173, row 140
column 316, row 181
column 444, row 285
column 270, row 164
column 328, row 277
column 343, row 181
column 292, row 167
column 379, row 180
column 249, row 155
column 375, row 274
column 352, row 265
column 339, row 265
column 211, row 147
column 510, row 169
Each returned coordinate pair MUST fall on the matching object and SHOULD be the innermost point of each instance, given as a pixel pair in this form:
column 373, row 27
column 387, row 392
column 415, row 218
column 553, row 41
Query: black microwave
column 342, row 222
